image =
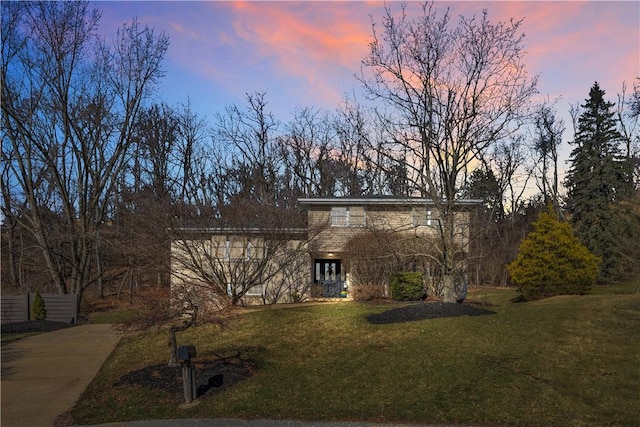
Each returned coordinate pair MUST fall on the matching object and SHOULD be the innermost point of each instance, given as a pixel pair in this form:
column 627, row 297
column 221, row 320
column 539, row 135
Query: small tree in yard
column 552, row 261
column 162, row 311
column 372, row 261
column 38, row 311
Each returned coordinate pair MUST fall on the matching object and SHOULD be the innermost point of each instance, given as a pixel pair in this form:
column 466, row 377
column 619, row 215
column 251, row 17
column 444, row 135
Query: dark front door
column 328, row 275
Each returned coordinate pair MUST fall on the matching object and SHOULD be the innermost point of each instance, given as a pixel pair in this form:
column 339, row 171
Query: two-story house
column 322, row 262
column 335, row 222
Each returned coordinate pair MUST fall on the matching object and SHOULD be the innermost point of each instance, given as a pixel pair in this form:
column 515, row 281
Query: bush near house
column 552, row 261
column 406, row 286
column 368, row 291
column 375, row 256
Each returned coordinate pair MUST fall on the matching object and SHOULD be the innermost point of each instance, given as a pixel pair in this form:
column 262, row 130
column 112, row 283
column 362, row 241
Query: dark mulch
column 426, row 310
column 33, row 326
column 211, row 374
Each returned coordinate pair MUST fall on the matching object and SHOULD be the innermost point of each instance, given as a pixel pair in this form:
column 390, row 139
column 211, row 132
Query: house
column 340, row 221
column 244, row 264
column 349, row 243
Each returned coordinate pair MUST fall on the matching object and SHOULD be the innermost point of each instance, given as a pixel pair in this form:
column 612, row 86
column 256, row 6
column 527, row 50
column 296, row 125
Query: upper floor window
column 249, row 252
column 239, row 249
column 348, row 216
column 339, row 216
column 429, row 219
column 423, row 217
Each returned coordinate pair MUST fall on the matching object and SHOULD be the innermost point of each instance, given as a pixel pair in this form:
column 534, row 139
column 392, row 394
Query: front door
column 328, row 275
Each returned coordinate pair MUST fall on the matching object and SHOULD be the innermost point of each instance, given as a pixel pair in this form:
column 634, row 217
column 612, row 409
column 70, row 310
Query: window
column 422, row 217
column 339, row 217
column 227, row 249
column 342, row 216
column 234, row 248
column 255, row 290
column 249, row 251
column 357, row 216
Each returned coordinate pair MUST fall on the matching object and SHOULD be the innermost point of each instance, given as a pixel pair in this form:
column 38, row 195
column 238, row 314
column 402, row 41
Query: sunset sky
column 306, row 53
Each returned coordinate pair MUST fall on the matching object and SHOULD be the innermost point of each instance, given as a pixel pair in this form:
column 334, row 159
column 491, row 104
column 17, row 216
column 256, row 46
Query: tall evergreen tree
column 597, row 178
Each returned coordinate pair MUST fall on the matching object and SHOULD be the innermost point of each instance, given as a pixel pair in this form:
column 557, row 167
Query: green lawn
column 113, row 316
column 563, row 361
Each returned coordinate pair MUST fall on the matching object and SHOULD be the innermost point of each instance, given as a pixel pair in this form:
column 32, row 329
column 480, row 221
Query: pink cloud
column 309, row 51
column 311, row 41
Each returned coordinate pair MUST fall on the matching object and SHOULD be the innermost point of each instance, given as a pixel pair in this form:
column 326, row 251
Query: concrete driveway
column 44, row 375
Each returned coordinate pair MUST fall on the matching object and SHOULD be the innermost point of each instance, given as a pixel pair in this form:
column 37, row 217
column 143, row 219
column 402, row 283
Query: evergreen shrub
column 406, row 286
column 38, row 311
column 552, row 261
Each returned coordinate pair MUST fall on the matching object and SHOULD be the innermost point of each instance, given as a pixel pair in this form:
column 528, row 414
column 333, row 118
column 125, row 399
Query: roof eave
column 338, row 201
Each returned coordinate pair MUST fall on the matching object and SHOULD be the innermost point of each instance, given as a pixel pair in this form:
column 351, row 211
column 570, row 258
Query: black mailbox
column 186, row 353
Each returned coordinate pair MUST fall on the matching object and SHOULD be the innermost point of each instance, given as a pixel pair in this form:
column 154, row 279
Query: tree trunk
column 131, row 286
column 173, row 344
column 99, row 270
column 448, row 288
column 13, row 263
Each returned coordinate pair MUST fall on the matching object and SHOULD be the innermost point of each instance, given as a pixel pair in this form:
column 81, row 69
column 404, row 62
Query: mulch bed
column 211, row 375
column 426, row 310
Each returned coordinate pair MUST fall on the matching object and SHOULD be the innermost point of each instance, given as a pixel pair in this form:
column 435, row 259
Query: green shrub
column 552, row 261
column 406, row 286
column 38, row 311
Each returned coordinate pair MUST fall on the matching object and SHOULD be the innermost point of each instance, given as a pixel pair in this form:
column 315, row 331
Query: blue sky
column 306, row 53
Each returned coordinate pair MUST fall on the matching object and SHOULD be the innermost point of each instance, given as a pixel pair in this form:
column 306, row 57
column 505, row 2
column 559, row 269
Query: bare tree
column 547, row 138
column 450, row 94
column 221, row 263
column 68, row 112
column 251, row 135
column 372, row 260
column 628, row 114
column 288, row 272
column 11, row 237
column 193, row 132
column 156, row 137
column 306, row 149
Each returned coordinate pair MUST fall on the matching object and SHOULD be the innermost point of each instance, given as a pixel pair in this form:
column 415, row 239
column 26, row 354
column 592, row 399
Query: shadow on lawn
column 426, row 310
column 227, row 368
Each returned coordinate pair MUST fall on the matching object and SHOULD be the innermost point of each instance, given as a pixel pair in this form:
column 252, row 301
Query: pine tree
column 597, row 178
column 38, row 311
column 552, row 261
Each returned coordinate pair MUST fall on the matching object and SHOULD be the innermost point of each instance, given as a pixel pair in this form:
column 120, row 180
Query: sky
column 305, row 54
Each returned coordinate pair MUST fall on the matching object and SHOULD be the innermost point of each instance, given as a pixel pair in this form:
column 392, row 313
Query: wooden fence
column 60, row 308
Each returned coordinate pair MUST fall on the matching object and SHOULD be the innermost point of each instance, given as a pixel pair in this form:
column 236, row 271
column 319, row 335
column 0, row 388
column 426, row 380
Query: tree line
column 95, row 169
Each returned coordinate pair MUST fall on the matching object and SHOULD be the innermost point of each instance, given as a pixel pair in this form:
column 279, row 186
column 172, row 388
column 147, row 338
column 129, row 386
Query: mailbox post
column 185, row 353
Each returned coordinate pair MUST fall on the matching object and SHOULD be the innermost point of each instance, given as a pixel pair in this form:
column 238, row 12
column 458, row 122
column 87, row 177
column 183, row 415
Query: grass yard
column 563, row 361
column 7, row 338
